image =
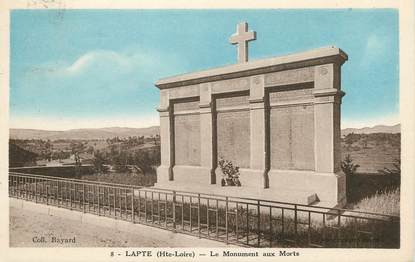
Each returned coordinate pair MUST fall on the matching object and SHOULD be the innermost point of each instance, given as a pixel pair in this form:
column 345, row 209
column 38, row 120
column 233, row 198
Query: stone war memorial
column 277, row 119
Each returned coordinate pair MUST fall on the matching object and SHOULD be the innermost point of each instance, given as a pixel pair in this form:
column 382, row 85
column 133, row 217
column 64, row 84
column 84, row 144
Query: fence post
column 182, row 208
column 217, row 218
column 226, row 221
column 83, row 197
column 35, row 190
column 165, row 211
column 57, row 193
column 295, row 225
column 198, row 212
column 259, row 222
column 309, row 228
column 47, row 194
column 132, row 205
column 324, row 230
column 174, row 211
column 139, row 205
column 282, row 226
column 338, row 228
column 145, row 206
column 270, row 226
column 115, row 202
column 207, row 217
column 70, row 195
column 98, row 202
column 247, row 224
column 152, row 207
column 236, row 222
column 190, row 214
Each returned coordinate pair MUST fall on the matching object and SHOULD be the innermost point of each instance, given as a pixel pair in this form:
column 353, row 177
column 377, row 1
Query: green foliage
column 145, row 158
column 352, row 138
column 20, row 157
column 98, row 162
column 348, row 167
column 129, row 142
column 42, row 148
column 77, row 147
column 374, row 138
column 60, row 155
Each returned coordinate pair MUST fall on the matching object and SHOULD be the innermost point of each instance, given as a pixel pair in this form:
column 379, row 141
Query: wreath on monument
column 230, row 173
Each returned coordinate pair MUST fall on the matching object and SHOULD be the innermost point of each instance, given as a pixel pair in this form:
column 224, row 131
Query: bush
column 348, row 167
column 230, row 172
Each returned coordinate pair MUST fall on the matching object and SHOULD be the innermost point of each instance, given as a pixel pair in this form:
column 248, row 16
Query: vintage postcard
column 177, row 131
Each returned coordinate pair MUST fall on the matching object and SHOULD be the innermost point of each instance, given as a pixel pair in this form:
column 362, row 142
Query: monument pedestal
column 302, row 187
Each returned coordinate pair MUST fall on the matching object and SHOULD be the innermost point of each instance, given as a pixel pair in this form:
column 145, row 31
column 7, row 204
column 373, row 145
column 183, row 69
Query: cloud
column 374, row 44
column 376, row 47
column 104, row 67
column 94, row 58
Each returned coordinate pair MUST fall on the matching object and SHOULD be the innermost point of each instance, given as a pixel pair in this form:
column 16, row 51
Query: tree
column 90, row 150
column 78, row 165
column 348, row 167
column 98, row 162
column 77, row 147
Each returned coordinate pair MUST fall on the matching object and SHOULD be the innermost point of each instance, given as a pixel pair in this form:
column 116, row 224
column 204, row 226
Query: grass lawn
column 147, row 179
column 374, row 193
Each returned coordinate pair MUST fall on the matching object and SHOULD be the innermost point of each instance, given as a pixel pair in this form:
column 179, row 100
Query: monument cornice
column 205, row 105
column 163, row 109
column 328, row 92
column 309, row 58
column 256, row 100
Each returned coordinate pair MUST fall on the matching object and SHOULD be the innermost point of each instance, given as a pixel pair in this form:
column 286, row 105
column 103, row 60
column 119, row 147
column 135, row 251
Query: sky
column 97, row 68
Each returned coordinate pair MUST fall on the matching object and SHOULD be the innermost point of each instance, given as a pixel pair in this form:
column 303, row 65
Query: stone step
column 281, row 195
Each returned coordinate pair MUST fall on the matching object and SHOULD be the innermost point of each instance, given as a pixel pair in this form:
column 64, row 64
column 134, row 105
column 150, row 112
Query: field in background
column 373, row 152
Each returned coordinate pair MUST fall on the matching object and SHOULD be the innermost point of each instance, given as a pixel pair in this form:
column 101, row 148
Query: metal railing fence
column 235, row 220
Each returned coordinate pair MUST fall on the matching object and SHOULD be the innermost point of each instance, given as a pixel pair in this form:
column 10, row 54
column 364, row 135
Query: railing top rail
column 40, row 167
column 217, row 196
column 75, row 180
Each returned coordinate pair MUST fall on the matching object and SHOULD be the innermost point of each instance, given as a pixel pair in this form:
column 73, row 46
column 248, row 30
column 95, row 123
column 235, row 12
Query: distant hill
column 376, row 129
column 85, row 133
column 110, row 132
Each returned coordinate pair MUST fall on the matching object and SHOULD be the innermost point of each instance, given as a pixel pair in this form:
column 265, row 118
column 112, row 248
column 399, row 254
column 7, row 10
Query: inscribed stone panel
column 224, row 102
column 233, row 136
column 288, row 77
column 297, row 92
column 292, row 137
column 186, row 106
column 187, row 139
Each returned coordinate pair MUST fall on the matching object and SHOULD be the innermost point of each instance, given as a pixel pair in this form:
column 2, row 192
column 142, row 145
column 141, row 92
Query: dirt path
column 28, row 227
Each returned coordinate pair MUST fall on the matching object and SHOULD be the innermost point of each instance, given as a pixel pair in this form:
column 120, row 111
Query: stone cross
column 241, row 38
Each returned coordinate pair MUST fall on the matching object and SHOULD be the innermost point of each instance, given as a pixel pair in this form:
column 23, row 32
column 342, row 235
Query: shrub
column 230, row 172
column 348, row 167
